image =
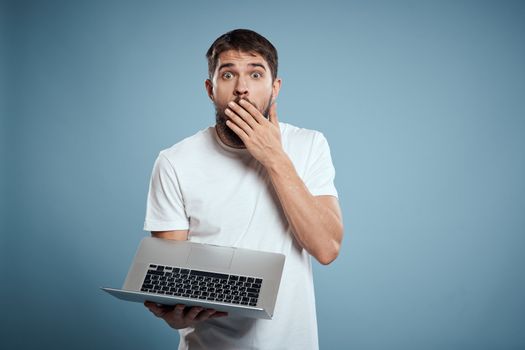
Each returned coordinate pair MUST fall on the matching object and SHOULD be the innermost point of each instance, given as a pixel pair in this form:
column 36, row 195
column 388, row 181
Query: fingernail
column 231, row 103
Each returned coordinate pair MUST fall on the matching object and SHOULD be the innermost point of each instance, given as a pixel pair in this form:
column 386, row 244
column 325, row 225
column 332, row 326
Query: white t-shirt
column 224, row 196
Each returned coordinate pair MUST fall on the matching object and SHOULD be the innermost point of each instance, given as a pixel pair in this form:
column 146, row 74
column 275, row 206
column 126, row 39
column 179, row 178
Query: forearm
column 316, row 227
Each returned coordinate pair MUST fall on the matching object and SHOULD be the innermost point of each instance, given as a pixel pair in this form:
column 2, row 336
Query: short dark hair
column 244, row 40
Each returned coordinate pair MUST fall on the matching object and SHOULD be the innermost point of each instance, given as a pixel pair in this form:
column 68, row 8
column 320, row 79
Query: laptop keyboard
column 196, row 284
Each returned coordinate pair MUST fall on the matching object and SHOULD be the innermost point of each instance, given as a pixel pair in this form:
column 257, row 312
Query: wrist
column 278, row 164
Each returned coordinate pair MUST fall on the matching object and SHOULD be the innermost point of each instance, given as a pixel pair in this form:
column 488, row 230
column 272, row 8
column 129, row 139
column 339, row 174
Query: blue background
column 421, row 102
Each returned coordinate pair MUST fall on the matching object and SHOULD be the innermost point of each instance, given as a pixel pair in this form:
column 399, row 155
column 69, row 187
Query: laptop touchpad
column 213, row 257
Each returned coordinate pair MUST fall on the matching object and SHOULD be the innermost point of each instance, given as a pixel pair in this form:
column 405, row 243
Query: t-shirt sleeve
column 320, row 173
column 165, row 206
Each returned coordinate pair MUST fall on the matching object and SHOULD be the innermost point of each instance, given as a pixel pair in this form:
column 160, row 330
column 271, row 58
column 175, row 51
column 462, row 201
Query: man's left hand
column 262, row 137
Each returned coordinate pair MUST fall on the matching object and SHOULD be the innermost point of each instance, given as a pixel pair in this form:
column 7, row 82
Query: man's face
column 240, row 75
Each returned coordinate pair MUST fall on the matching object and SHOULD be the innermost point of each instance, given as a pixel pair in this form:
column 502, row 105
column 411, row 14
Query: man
column 249, row 182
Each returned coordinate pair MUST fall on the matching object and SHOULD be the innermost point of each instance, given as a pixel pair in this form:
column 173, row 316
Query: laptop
column 239, row 281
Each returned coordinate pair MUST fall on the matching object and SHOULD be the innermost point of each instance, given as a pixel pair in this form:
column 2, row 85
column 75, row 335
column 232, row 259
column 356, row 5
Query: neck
column 228, row 137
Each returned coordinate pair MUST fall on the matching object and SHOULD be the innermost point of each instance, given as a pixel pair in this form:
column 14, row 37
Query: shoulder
column 294, row 135
column 303, row 146
column 189, row 145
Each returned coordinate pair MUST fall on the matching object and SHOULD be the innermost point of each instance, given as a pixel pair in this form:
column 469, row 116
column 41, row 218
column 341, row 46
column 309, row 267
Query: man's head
column 241, row 65
column 243, row 40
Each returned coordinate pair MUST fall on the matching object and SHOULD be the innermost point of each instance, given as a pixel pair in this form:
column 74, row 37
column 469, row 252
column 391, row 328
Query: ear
column 276, row 87
column 209, row 89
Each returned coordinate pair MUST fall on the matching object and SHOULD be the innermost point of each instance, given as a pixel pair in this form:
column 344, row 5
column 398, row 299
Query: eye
column 227, row 75
column 256, row 75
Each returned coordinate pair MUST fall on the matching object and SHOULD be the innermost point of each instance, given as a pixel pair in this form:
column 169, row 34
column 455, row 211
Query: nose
column 241, row 89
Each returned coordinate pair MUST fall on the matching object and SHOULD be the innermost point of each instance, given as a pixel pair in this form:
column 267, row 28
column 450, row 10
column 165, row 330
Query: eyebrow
column 228, row 65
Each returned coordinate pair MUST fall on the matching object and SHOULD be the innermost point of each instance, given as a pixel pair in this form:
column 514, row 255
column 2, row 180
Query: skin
column 180, row 316
column 243, row 92
column 240, row 76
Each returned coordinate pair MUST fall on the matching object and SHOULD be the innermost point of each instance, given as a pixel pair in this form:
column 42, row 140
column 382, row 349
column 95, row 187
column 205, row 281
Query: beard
column 226, row 134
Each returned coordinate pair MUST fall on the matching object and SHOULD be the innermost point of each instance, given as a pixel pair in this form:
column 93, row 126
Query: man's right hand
column 180, row 316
